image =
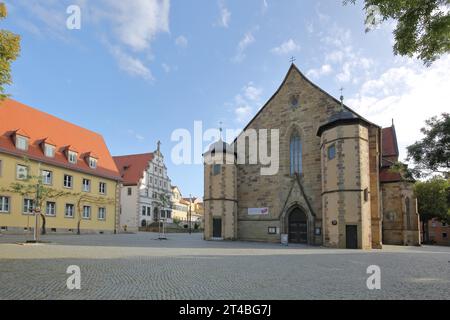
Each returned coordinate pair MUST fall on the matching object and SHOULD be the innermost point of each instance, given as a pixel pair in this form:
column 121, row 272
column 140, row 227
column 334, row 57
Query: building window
column 21, row 143
column 272, row 230
column 72, row 157
column 4, row 204
column 445, row 235
column 47, row 177
column 101, row 213
column 144, row 211
column 332, row 152
column 296, row 155
column 49, row 150
column 102, row 188
column 444, row 224
column 51, row 209
column 21, row 172
column 86, row 212
column 69, row 211
column 68, row 181
column 92, row 163
column 28, row 206
column 149, row 212
column 86, row 185
column 217, row 168
column 130, row 191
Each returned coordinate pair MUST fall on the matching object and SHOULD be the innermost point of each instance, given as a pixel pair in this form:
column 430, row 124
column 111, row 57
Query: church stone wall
column 400, row 225
column 254, row 190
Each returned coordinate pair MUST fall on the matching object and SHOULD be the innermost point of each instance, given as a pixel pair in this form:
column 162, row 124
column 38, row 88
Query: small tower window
column 332, row 152
column 296, row 154
column 217, row 168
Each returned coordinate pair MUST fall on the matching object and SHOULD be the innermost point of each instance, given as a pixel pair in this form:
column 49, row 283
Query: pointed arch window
column 296, row 151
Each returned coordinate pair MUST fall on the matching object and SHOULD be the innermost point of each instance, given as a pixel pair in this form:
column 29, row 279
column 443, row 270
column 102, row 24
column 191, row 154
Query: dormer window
column 21, row 143
column 72, row 157
column 49, row 150
column 92, row 163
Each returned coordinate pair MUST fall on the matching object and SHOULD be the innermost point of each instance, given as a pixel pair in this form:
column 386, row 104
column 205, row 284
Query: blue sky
column 139, row 69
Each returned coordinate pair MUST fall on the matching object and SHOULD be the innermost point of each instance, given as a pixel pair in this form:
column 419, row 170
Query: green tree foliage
column 433, row 197
column 423, row 26
column 9, row 51
column 432, row 153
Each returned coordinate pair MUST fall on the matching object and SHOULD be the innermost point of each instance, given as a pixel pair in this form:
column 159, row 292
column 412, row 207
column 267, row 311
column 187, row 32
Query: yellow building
column 74, row 166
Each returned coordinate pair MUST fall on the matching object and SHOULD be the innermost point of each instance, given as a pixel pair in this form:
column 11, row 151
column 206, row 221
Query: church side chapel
column 334, row 187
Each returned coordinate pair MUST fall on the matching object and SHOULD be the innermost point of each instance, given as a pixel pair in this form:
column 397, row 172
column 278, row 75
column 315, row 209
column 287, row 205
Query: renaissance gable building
column 334, row 186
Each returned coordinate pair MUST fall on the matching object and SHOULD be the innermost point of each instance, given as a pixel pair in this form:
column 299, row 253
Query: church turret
column 346, row 181
column 220, row 194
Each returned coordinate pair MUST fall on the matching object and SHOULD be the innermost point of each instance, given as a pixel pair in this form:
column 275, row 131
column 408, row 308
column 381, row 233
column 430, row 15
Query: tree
column 423, row 26
column 9, row 51
column 431, row 155
column 85, row 199
column 433, row 200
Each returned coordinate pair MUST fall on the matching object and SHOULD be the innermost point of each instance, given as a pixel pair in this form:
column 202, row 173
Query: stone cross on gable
column 159, row 146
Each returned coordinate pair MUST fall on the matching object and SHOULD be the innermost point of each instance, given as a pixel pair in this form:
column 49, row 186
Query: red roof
column 132, row 167
column 390, row 145
column 17, row 118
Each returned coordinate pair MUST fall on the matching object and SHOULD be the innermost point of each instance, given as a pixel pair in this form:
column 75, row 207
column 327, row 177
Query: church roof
column 220, row 146
column 390, row 144
column 132, row 167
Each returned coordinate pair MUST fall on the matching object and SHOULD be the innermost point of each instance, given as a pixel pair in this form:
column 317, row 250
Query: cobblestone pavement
column 186, row 267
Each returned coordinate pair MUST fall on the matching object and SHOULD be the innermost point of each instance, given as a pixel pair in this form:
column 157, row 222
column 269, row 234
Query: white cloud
column 246, row 102
column 351, row 65
column 136, row 23
column 225, row 15
column 265, row 6
column 324, row 70
column 130, row 64
column 181, row 41
column 136, row 135
column 287, row 47
column 246, row 41
column 409, row 93
column 166, row 67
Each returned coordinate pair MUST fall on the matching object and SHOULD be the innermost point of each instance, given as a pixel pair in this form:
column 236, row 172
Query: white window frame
column 72, row 211
column 93, row 163
column 102, row 188
column 17, row 172
column 101, row 217
column 45, row 177
column 26, row 209
column 5, row 204
column 72, row 156
column 87, row 209
column 21, row 143
column 49, row 150
column 47, row 207
column 67, row 186
column 86, row 187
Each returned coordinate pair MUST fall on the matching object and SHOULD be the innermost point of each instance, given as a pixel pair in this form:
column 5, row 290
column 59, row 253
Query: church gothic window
column 296, row 154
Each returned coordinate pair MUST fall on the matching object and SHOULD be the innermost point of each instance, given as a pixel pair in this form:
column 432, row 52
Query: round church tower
column 346, row 181
column 220, row 194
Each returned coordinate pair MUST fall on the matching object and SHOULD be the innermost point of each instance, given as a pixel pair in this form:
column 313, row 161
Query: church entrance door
column 217, row 228
column 298, row 227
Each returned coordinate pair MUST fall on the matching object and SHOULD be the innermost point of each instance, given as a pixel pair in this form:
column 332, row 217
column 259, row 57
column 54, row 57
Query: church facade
column 334, row 186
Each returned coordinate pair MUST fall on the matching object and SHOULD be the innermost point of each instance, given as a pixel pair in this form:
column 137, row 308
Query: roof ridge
column 137, row 154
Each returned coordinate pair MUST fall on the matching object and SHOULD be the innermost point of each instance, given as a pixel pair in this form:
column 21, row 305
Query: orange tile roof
column 38, row 126
column 386, row 175
column 132, row 167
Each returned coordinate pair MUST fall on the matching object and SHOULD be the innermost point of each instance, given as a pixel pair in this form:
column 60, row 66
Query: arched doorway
column 298, row 226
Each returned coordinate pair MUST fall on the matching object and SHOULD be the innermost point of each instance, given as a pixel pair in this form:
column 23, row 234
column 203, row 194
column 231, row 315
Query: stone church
column 334, row 186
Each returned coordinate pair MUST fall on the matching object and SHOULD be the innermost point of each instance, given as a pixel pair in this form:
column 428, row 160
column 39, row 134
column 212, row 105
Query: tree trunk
column 43, row 231
column 79, row 227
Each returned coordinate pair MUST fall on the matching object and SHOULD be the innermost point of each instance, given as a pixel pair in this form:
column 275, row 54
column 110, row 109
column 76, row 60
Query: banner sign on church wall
column 258, row 211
